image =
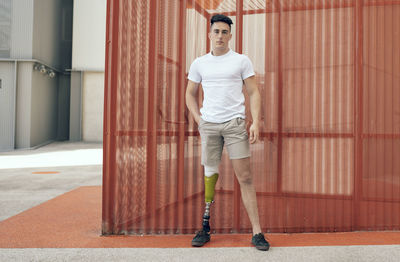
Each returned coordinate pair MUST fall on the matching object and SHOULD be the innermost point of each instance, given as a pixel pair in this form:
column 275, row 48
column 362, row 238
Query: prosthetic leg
column 210, row 179
column 209, row 185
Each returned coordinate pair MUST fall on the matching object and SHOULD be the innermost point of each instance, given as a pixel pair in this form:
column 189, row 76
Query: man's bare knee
column 245, row 178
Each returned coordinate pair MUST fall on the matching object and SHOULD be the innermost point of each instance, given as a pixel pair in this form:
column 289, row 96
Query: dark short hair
column 221, row 18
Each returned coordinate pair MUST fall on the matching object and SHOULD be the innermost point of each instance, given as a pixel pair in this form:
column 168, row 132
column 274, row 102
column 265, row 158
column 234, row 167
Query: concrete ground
column 281, row 254
column 31, row 177
column 76, row 164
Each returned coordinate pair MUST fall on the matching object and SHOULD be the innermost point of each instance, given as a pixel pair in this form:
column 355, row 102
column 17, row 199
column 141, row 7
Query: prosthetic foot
column 203, row 236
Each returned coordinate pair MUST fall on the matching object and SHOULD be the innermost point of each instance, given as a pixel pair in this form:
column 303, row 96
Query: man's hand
column 254, row 133
column 197, row 119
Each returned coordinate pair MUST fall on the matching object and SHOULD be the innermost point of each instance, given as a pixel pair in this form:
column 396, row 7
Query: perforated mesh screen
column 329, row 77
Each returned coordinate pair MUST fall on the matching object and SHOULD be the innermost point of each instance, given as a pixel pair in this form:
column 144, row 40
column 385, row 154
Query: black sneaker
column 259, row 242
column 201, row 238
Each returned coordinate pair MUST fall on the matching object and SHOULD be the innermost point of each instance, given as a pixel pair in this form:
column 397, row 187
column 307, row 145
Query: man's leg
column 211, row 150
column 243, row 174
column 210, row 179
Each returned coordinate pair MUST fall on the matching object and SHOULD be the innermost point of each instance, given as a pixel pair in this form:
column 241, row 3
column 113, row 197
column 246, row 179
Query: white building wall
column 92, row 106
column 88, row 57
column 89, row 35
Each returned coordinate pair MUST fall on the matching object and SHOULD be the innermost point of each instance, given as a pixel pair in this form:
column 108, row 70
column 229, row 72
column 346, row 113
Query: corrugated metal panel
column 24, row 105
column 5, row 28
column 7, row 105
column 328, row 73
column 22, row 29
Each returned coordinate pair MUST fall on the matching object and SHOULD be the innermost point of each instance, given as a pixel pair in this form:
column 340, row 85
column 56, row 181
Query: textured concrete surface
column 79, row 164
column 76, row 164
column 282, row 254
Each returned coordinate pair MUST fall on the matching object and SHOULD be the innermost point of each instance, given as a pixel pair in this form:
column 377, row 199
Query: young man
column 222, row 73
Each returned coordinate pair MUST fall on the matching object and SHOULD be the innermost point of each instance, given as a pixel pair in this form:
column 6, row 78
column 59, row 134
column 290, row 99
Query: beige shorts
column 232, row 133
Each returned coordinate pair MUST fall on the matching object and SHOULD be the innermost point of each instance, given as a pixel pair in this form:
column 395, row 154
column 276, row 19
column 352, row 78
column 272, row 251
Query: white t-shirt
column 222, row 80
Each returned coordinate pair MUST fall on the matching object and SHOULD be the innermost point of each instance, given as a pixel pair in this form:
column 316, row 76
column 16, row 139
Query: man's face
column 220, row 35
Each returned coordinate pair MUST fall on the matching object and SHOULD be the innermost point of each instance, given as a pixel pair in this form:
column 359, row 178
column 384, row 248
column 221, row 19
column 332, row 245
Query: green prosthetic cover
column 209, row 185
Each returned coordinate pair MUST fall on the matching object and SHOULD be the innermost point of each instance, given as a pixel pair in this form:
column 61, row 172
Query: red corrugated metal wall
column 329, row 76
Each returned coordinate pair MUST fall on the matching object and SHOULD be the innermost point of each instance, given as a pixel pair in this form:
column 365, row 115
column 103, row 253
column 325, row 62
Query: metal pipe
column 111, row 81
column 239, row 49
column 151, row 154
column 358, row 113
column 181, row 115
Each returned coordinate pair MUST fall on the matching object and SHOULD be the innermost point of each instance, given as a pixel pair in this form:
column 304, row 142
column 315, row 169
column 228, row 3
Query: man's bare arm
column 255, row 106
column 192, row 100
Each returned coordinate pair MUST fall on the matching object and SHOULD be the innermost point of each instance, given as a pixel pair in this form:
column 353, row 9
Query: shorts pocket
column 201, row 122
column 239, row 121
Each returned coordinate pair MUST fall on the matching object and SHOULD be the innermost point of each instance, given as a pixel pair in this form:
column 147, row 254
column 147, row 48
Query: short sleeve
column 194, row 74
column 247, row 68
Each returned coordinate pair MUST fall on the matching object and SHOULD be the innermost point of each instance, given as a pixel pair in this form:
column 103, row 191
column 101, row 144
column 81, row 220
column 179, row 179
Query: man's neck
column 215, row 52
